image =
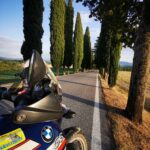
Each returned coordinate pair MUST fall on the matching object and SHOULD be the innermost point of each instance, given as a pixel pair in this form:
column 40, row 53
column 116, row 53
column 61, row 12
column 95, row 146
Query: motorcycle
column 34, row 112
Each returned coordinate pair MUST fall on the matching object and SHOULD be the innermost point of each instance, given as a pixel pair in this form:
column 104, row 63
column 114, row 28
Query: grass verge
column 128, row 135
column 123, row 86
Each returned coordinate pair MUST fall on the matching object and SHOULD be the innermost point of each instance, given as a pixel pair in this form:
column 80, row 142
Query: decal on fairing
column 47, row 134
column 58, row 144
column 11, row 139
column 27, row 144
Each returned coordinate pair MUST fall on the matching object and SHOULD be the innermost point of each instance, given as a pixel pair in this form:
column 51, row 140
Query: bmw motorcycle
column 33, row 110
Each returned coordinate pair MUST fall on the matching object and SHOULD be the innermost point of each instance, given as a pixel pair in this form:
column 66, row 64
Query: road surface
column 82, row 93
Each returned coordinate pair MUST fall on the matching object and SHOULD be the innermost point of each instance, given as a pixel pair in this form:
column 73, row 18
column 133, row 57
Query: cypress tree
column 57, row 23
column 116, row 47
column 103, row 49
column 87, row 59
column 78, row 43
column 32, row 23
column 68, row 54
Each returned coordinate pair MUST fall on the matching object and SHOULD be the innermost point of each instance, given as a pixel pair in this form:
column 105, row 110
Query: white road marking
column 96, row 135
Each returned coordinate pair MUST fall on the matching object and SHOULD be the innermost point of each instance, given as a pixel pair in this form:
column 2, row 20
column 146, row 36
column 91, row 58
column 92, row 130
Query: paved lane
column 79, row 94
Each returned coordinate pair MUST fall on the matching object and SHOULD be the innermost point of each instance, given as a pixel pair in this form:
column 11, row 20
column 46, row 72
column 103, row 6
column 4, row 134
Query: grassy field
column 123, row 85
column 8, row 69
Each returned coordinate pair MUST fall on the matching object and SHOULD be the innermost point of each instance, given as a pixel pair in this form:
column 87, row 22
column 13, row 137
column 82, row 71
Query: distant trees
column 68, row 53
column 87, row 59
column 32, row 23
column 57, row 38
column 78, row 44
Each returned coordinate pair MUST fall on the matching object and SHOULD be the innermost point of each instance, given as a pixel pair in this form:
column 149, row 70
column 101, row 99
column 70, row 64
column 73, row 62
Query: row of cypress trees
column 66, row 49
column 109, row 43
column 87, row 59
column 129, row 25
column 78, row 44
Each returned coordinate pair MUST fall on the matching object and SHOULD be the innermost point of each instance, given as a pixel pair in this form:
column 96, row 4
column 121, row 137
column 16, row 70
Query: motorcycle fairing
column 37, row 69
column 32, row 132
column 58, row 144
column 48, row 108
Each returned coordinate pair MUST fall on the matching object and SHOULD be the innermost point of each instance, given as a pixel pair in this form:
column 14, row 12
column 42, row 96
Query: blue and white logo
column 47, row 134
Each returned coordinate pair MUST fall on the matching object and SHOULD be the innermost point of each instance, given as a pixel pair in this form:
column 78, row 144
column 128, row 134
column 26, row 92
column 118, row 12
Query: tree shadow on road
column 84, row 76
column 107, row 140
column 94, row 104
column 72, row 82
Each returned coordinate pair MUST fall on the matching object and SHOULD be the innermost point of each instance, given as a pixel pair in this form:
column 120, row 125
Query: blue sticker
column 47, row 134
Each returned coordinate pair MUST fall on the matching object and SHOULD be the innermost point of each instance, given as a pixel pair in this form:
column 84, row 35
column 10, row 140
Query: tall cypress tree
column 57, row 39
column 103, row 49
column 87, row 59
column 115, row 51
column 68, row 54
column 78, row 43
column 32, row 23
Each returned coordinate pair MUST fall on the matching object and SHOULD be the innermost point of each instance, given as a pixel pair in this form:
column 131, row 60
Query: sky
column 11, row 29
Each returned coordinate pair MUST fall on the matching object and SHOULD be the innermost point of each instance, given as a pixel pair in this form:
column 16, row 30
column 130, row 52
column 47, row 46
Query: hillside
column 125, row 64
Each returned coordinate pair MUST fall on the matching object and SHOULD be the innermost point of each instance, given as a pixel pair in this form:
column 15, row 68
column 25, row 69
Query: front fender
column 69, row 132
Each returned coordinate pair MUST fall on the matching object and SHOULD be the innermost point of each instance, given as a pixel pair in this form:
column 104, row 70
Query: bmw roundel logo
column 47, row 134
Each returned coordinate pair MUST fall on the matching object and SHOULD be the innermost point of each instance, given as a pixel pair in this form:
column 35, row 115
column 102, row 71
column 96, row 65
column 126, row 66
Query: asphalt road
column 79, row 93
column 82, row 93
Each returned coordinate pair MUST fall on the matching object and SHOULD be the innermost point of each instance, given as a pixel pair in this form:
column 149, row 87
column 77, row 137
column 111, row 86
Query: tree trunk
column 57, row 71
column 140, row 70
column 68, row 71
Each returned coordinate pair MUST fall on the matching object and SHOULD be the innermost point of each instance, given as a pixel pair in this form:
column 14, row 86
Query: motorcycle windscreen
column 37, row 69
column 46, row 109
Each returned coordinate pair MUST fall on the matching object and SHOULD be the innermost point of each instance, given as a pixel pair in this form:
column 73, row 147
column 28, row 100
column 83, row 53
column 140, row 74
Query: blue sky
column 11, row 29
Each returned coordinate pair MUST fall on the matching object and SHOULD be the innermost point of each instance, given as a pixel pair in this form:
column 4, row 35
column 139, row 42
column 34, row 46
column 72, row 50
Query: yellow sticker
column 11, row 139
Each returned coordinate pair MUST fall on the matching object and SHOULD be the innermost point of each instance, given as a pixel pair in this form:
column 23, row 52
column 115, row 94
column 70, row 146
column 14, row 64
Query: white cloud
column 10, row 48
column 127, row 55
column 85, row 17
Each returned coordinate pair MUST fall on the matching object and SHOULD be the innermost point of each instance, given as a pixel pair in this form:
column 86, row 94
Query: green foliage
column 68, row 54
column 57, row 39
column 8, row 69
column 113, row 15
column 87, row 59
column 63, row 70
column 78, row 43
column 116, row 47
column 32, row 23
column 103, row 48
column 122, row 14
